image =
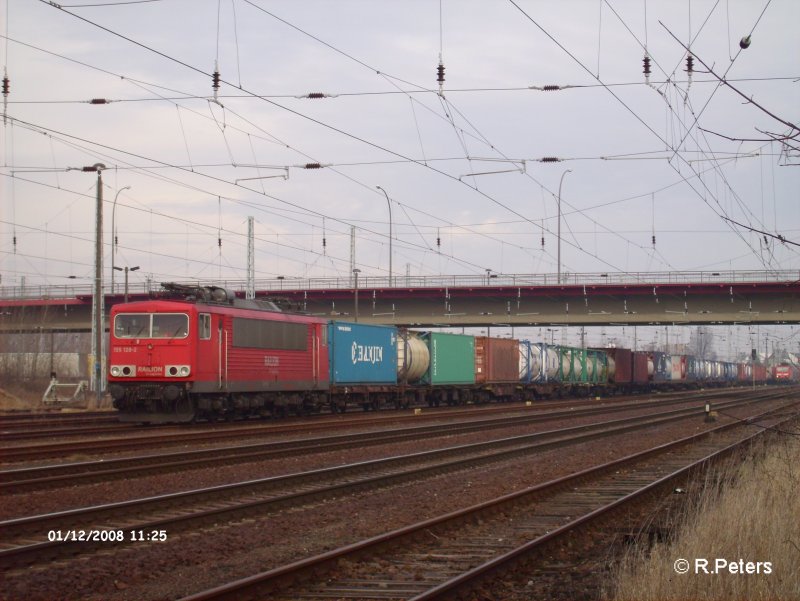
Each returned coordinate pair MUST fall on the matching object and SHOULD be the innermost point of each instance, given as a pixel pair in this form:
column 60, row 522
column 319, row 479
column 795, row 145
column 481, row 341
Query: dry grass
column 753, row 516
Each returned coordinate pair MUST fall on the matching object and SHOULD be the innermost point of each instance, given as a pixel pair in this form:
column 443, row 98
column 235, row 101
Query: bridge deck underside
column 481, row 306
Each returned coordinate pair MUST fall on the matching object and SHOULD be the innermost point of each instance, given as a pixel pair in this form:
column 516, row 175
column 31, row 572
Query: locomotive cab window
column 132, row 325
column 204, row 326
column 170, row 325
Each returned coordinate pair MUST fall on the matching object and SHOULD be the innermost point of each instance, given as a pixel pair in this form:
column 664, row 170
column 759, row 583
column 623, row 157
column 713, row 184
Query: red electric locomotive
column 214, row 356
column 786, row 373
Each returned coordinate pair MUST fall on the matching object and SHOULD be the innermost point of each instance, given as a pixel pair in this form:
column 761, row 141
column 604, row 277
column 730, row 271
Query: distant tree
column 701, row 343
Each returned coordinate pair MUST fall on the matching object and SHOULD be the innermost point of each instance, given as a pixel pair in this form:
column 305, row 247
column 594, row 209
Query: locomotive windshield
column 151, row 325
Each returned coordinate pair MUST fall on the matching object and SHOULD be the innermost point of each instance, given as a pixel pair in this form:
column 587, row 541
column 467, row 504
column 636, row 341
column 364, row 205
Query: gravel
column 189, row 563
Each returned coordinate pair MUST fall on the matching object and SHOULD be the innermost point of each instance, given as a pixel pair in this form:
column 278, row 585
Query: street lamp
column 114, row 235
column 559, row 223
column 390, row 232
column 355, row 273
column 98, row 301
column 126, row 270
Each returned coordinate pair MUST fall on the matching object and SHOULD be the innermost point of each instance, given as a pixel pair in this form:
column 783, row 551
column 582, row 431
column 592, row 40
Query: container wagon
column 496, row 368
column 363, row 365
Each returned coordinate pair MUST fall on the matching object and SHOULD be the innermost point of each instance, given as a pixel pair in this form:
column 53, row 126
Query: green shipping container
column 452, row 359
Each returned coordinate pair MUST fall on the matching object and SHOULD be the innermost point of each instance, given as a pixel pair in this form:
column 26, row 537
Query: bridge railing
column 275, row 285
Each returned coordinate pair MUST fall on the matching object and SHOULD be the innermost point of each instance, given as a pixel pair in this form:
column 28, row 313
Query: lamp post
column 559, row 222
column 97, row 298
column 355, row 273
column 114, row 236
column 126, row 270
column 390, row 232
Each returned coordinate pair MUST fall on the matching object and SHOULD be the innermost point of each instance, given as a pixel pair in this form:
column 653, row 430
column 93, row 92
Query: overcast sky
column 641, row 166
column 680, row 160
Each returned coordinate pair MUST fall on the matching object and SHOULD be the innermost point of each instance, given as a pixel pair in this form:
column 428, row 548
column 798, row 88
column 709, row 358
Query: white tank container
column 612, row 368
column 413, row 358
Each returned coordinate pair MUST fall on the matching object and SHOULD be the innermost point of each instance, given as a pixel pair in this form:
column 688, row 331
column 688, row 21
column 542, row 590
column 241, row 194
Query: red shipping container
column 496, row 360
column 623, row 365
column 641, row 371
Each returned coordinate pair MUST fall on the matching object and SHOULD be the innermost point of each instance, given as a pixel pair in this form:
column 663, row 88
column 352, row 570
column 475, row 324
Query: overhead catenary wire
column 632, row 112
column 262, row 182
column 328, row 126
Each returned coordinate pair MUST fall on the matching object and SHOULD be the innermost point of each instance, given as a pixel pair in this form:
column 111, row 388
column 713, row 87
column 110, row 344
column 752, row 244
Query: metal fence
column 441, row 281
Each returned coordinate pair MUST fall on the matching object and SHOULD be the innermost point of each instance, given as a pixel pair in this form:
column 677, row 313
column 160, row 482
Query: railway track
column 43, row 477
column 451, row 555
column 100, row 423
column 25, row 540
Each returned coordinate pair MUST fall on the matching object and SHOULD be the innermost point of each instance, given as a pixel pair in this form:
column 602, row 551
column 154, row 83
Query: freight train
column 209, row 355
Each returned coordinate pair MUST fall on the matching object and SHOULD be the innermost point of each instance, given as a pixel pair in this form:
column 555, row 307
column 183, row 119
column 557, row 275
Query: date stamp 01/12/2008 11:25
column 110, row 536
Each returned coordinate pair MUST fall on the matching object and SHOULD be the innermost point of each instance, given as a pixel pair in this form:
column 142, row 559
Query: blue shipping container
column 362, row 354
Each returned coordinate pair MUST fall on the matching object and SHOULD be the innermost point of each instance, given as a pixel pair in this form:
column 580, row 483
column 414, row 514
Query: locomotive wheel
column 184, row 410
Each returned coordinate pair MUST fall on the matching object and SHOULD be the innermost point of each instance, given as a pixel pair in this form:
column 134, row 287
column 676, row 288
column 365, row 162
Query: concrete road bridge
column 664, row 298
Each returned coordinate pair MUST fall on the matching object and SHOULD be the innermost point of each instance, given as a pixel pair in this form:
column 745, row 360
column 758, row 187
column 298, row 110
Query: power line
column 328, row 126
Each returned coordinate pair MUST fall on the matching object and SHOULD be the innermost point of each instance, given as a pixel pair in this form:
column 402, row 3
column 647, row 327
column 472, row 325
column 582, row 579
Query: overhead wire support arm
column 522, row 169
column 723, row 81
column 283, row 176
column 777, row 237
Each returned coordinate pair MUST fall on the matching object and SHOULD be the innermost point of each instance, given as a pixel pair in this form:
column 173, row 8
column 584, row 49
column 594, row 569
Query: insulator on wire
column 219, row 242
column 312, row 166
column 215, row 80
column 438, row 240
column 646, row 66
column 440, row 75
column 654, row 239
column 6, row 90
column 549, row 160
column 542, row 240
column 99, row 101
column 689, row 70
column 550, row 88
column 317, row 95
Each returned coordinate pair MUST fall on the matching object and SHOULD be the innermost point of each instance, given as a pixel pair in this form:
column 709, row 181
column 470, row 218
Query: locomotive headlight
column 123, row 371
column 177, row 371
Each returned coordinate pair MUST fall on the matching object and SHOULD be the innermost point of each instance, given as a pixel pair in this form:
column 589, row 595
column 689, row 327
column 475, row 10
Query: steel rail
column 472, row 578
column 224, row 502
column 21, row 453
column 34, row 478
column 271, row 583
